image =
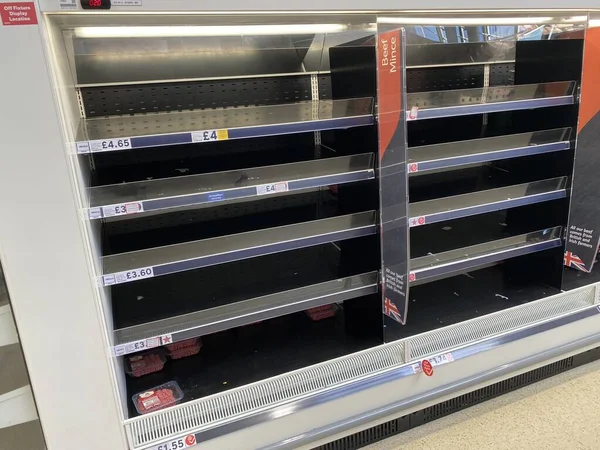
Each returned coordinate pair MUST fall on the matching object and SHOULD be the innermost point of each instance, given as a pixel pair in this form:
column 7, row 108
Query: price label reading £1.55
column 186, row 442
column 127, row 276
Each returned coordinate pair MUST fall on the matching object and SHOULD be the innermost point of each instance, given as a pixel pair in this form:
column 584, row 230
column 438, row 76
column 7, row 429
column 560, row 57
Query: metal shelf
column 453, row 154
column 452, row 262
column 130, row 198
column 154, row 130
column 461, row 102
column 175, row 329
column 448, row 208
column 133, row 266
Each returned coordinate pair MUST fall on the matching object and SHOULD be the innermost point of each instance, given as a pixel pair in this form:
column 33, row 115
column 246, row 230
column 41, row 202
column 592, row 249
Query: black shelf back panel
column 198, row 95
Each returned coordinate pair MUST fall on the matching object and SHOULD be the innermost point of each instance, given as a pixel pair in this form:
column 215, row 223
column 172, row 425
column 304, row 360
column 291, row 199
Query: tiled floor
column 561, row 413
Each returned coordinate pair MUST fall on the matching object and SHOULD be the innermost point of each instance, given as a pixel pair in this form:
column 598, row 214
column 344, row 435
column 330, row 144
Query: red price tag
column 427, row 367
column 414, row 167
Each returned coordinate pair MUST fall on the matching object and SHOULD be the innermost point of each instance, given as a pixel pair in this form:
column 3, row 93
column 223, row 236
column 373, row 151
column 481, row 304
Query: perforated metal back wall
column 458, row 77
column 198, row 95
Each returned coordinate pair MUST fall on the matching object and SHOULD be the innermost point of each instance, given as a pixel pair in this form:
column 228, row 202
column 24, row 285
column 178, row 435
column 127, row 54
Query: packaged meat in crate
column 321, row 312
column 159, row 397
column 183, row 349
column 143, row 364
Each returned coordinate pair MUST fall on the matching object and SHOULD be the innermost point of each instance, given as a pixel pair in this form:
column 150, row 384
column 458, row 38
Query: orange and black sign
column 583, row 232
column 392, row 177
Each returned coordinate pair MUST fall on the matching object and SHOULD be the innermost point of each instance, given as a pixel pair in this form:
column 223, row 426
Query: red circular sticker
column 190, row 439
column 412, row 277
column 427, row 367
column 421, row 220
column 414, row 167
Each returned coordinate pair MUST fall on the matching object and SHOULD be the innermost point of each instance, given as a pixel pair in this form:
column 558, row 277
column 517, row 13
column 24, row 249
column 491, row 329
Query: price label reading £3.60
column 209, row 135
column 127, row 276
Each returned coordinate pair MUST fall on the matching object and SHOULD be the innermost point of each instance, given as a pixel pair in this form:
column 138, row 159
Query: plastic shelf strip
column 453, row 154
column 133, row 266
column 199, row 323
column 461, row 102
column 159, row 129
column 463, row 259
column 132, row 198
column 480, row 202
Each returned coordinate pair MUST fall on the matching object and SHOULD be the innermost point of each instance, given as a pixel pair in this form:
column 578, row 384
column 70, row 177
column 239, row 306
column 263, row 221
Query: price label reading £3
column 209, row 135
column 122, row 209
column 127, row 276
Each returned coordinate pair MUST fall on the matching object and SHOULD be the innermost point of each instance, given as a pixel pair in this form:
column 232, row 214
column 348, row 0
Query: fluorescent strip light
column 439, row 21
column 189, row 31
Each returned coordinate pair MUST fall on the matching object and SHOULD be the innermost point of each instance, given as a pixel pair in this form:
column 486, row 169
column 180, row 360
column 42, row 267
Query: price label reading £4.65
column 110, row 144
column 209, row 135
column 127, row 276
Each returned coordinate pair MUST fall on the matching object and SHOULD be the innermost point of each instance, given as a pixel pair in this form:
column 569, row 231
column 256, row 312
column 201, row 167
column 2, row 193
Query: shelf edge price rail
column 127, row 143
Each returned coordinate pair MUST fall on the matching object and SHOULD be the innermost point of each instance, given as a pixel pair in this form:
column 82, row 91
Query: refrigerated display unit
column 270, row 229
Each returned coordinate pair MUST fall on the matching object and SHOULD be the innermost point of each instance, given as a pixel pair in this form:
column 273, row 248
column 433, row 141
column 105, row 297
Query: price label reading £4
column 127, row 276
column 209, row 135
column 272, row 188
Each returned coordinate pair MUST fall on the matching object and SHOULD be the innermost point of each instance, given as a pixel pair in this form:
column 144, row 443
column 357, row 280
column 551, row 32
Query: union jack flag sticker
column 391, row 310
column 572, row 260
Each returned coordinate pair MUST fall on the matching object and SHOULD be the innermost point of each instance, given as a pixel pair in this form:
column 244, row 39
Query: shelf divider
column 154, row 195
column 481, row 202
column 159, row 129
column 148, row 263
column 462, row 102
column 454, row 154
column 179, row 328
column 446, row 264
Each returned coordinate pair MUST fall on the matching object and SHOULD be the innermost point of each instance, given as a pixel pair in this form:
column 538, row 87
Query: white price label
column 417, row 221
column 143, row 344
column 177, row 444
column 438, row 360
column 412, row 113
column 67, row 4
column 272, row 188
column 110, row 144
column 126, row 2
column 209, row 135
column 127, row 276
column 122, row 209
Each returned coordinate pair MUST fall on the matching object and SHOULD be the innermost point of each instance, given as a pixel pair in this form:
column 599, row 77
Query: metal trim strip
column 387, row 376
